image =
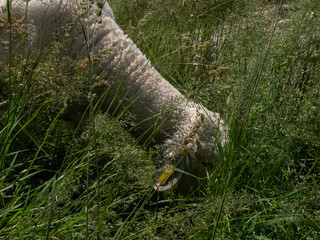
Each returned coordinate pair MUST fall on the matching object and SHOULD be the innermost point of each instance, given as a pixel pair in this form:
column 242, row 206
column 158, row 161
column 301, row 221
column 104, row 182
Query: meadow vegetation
column 255, row 62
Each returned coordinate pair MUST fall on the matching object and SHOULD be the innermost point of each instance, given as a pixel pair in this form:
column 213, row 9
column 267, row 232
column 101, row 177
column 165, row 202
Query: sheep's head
column 198, row 150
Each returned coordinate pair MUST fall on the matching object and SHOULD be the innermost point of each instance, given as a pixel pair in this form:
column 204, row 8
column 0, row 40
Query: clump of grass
column 266, row 183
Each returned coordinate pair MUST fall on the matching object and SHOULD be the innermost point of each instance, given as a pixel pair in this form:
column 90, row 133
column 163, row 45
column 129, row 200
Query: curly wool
column 188, row 130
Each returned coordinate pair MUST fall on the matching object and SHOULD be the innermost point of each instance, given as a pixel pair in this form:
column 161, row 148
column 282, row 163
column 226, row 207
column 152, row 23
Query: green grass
column 253, row 62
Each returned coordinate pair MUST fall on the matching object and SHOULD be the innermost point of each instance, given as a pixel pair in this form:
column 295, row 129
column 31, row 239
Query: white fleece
column 188, row 128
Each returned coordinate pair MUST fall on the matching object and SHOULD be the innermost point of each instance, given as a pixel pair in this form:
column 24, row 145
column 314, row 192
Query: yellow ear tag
column 165, row 175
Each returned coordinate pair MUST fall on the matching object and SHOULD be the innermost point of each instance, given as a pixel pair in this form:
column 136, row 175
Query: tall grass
column 256, row 63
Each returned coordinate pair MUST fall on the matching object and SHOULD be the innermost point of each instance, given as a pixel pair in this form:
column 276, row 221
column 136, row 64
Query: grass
column 255, row 62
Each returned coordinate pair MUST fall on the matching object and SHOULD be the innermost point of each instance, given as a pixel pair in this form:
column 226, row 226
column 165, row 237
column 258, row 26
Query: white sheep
column 188, row 131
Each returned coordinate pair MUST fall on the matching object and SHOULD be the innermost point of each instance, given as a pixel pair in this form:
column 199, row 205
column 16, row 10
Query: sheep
column 187, row 131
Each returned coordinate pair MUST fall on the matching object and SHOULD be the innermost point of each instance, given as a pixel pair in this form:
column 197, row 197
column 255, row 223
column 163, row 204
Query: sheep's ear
column 168, row 179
